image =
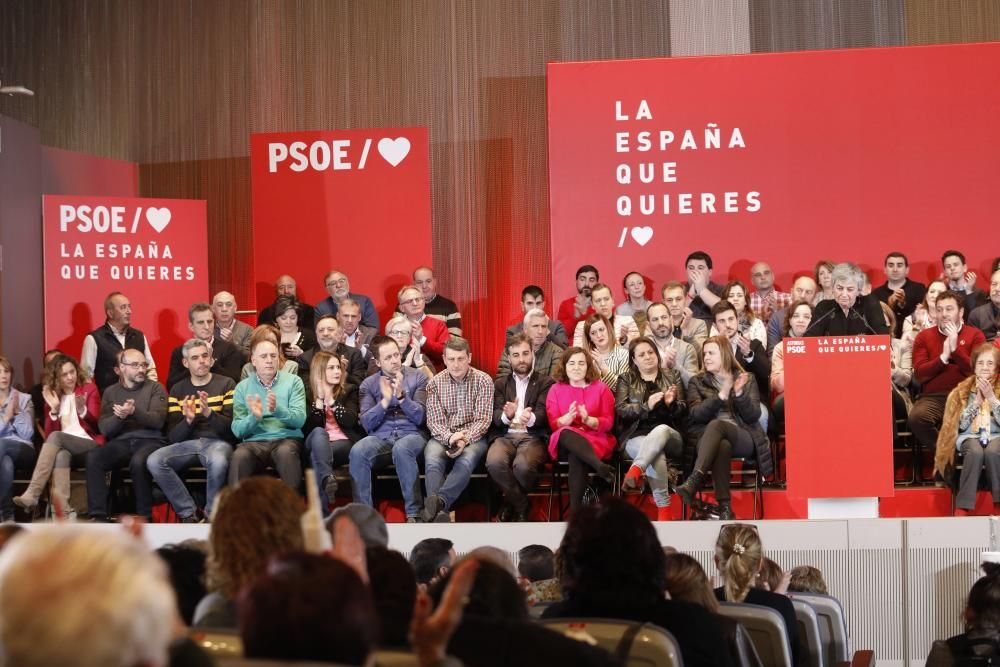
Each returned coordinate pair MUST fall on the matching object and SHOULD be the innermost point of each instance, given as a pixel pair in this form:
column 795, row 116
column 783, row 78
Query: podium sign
column 838, row 416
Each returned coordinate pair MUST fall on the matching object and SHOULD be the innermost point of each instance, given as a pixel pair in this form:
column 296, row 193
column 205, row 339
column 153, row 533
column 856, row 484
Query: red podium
column 838, row 418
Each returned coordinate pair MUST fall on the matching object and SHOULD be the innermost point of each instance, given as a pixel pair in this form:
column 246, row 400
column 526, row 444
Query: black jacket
column 704, row 405
column 228, row 362
column 864, row 317
column 505, row 389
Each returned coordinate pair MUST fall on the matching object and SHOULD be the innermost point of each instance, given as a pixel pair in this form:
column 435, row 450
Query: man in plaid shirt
column 459, row 412
column 766, row 300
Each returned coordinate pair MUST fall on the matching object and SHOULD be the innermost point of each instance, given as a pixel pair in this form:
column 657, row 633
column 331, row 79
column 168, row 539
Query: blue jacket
column 403, row 416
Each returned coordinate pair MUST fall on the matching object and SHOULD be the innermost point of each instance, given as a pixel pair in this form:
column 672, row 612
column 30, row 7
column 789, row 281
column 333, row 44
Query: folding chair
column 767, row 631
column 634, row 644
column 809, row 633
column 832, row 626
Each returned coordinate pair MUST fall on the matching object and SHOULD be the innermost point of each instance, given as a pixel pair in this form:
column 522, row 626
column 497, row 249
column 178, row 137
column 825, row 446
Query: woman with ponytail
column 739, row 556
column 980, row 643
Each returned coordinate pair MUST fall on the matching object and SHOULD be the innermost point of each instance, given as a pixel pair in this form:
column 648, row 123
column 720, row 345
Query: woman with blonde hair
column 971, row 425
column 271, row 333
column 723, row 422
column 333, row 418
column 739, row 556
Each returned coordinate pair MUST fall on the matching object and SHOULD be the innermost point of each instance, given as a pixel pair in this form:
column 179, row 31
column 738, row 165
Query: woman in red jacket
column 73, row 408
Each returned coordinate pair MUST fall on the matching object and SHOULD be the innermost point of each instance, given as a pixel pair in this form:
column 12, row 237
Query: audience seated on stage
column 987, row 316
column 227, row 327
column 980, row 643
column 971, row 426
column 766, row 300
column 17, row 426
column 532, row 298
column 797, row 317
column 104, row 600
column 803, row 289
column 199, row 417
column 849, row 312
column 962, row 281
column 99, row 359
column 253, row 522
column 650, row 408
column 687, row 582
column 581, row 411
column 328, row 339
column 393, row 405
column 924, row 316
column 72, row 410
column 429, row 333
column 612, row 566
column 285, row 286
column 520, row 430
column 608, row 355
column 400, row 329
column 623, row 327
column 691, row 330
column 133, row 413
column 338, row 287
column 574, row 310
column 545, row 353
column 635, row 303
column 807, row 579
column 332, row 425
column 459, row 413
column 748, row 352
column 723, row 422
column 270, row 333
column 900, row 293
column 227, row 359
column 941, row 360
column 295, row 339
column 269, row 409
column 436, row 306
column 749, row 324
column 700, row 291
column 432, row 558
column 739, row 555
column 823, row 275
column 675, row 353
column 355, row 334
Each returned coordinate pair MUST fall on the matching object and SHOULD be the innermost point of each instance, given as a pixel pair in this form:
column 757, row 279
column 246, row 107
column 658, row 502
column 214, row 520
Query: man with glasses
column 430, row 333
column 338, row 286
column 99, row 358
column 132, row 415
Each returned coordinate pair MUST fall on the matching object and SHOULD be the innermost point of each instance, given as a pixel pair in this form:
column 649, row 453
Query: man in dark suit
column 520, row 429
column 228, row 359
column 328, row 335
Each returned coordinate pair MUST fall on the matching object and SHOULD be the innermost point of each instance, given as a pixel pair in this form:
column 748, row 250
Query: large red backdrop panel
column 843, row 155
column 353, row 200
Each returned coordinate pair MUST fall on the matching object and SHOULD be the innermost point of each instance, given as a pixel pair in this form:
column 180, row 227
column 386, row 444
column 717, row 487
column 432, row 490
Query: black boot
column 726, row 511
column 691, row 486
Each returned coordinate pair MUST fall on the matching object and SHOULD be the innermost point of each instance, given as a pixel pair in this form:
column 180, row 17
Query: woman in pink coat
column 581, row 411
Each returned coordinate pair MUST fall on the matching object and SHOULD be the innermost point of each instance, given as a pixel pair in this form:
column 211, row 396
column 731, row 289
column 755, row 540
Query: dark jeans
column 513, row 462
column 721, row 441
column 113, row 455
column 14, row 455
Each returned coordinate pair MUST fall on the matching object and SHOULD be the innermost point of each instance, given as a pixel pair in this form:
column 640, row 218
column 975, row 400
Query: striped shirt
column 220, row 399
column 459, row 405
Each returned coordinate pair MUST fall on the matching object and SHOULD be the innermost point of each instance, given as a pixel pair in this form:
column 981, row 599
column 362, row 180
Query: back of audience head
column 770, row 575
column 186, row 567
column 807, row 579
column 370, row 523
column 308, row 607
column 495, row 593
column 104, row 600
column 739, row 556
column 610, row 553
column 494, row 555
column 394, row 591
column 536, row 562
column 252, row 522
column 982, row 613
column 687, row 581
column 431, row 559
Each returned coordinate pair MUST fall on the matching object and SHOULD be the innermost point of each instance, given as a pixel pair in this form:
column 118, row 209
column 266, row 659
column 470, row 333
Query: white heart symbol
column 394, row 150
column 158, row 218
column 641, row 235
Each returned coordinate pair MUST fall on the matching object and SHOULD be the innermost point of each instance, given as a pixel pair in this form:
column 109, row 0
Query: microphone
column 855, row 315
column 814, row 323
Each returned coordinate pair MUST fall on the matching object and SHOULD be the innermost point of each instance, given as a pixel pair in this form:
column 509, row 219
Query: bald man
column 804, row 288
column 766, row 299
column 227, row 327
column 437, row 306
column 285, row 286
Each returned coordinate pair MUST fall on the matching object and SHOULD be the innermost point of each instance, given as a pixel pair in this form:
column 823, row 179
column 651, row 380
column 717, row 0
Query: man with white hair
column 338, row 286
column 227, row 327
column 544, row 352
column 849, row 312
column 105, row 600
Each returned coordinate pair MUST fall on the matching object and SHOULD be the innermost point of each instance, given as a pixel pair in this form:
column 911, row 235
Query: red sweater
column 436, row 334
column 567, row 315
column 935, row 376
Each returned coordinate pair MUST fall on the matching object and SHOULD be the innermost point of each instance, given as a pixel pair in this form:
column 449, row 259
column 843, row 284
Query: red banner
column 788, row 158
column 353, row 200
column 152, row 250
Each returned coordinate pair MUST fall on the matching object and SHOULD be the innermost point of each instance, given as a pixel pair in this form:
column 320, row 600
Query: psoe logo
column 795, row 347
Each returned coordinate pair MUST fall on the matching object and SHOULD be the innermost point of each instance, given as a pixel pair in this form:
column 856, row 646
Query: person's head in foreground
column 81, row 598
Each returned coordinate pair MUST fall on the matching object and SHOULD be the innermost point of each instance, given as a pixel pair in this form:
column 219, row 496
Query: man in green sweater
column 269, row 409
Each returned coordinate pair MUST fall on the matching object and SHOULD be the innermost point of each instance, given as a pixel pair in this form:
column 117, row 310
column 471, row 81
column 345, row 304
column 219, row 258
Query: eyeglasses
column 399, row 332
column 136, row 364
column 414, row 301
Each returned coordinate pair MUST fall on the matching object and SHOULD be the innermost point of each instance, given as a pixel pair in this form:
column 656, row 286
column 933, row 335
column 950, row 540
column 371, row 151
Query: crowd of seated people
column 683, row 387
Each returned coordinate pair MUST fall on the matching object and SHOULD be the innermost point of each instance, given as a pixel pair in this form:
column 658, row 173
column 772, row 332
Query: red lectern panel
column 838, row 416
